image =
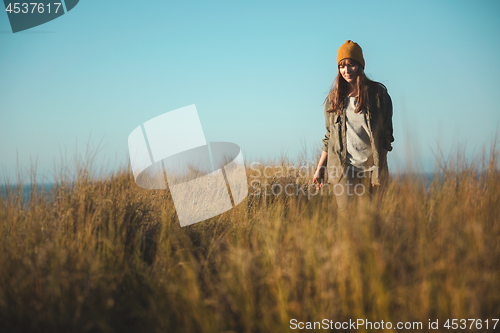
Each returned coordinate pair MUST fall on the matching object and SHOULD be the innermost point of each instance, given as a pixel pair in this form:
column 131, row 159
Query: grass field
column 103, row 255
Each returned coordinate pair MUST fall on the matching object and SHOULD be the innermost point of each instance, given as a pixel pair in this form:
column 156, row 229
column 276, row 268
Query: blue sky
column 258, row 72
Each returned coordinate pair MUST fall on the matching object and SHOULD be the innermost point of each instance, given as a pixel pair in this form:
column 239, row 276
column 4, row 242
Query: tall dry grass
column 106, row 256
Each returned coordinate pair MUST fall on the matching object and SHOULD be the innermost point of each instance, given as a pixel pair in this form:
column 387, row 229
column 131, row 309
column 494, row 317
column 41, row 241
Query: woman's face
column 349, row 70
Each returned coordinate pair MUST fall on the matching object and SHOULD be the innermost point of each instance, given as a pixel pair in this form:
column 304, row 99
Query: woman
column 358, row 119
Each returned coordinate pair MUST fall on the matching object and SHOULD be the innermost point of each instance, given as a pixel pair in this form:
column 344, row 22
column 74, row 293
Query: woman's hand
column 320, row 170
column 318, row 177
column 382, row 160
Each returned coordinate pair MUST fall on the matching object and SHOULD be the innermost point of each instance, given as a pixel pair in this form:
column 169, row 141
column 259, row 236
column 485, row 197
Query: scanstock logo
column 26, row 15
column 204, row 179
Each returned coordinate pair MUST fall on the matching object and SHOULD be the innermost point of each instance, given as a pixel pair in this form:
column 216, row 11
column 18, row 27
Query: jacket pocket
column 336, row 133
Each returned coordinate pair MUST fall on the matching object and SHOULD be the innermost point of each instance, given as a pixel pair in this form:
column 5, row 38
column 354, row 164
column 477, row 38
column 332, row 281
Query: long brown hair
column 339, row 89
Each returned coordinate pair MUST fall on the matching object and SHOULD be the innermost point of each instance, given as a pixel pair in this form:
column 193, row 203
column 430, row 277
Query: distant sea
column 47, row 187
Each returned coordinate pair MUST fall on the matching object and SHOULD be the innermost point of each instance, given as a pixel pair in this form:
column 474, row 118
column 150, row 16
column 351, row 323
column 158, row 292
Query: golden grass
column 107, row 256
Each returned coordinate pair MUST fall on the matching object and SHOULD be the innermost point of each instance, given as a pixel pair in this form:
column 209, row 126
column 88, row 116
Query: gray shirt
column 359, row 151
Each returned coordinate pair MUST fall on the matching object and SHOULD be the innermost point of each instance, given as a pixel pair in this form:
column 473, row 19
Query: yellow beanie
column 350, row 50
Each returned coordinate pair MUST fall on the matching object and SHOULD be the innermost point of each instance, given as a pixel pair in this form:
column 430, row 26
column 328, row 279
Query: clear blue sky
column 258, row 72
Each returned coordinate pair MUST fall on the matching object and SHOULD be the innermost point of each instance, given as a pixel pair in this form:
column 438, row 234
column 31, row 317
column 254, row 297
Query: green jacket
column 379, row 120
